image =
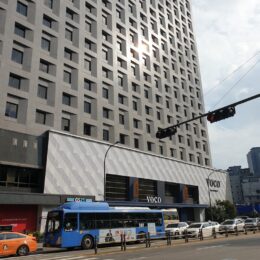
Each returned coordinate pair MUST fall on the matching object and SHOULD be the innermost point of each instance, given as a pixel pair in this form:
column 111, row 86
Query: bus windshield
column 54, row 220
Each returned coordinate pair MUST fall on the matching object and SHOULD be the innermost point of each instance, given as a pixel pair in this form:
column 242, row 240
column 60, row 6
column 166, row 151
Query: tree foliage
column 223, row 209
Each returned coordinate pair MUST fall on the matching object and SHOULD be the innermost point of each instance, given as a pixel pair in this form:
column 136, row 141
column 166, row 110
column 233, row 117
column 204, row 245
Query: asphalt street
column 235, row 248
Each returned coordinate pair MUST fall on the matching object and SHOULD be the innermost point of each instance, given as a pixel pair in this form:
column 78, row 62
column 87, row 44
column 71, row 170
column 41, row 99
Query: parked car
column 252, row 223
column 194, row 229
column 230, row 225
column 13, row 243
column 177, row 229
column 215, row 225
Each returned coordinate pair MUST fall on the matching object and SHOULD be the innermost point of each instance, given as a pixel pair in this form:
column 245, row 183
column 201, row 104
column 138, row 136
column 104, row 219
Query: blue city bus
column 77, row 224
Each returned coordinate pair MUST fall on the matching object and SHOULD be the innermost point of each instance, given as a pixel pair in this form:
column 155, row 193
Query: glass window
column 87, row 129
column 105, row 135
column 88, row 84
column 87, row 107
column 87, row 221
column 11, row 110
column 105, row 93
column 49, row 3
column 65, row 124
column 66, row 99
column 47, row 21
column 17, row 56
column 21, row 8
column 14, row 81
column 42, row 91
column 44, row 66
column 46, row 44
column 70, row 222
column 40, row 117
column 19, row 30
column 67, row 76
column 68, row 34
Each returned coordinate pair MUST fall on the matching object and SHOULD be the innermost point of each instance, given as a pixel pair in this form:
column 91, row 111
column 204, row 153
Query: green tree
column 223, row 209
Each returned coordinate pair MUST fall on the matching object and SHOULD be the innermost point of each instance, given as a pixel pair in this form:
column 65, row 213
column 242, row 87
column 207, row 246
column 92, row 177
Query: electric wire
column 233, row 72
column 237, row 82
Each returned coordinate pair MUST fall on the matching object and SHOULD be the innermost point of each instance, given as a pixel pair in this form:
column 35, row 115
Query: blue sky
column 228, row 34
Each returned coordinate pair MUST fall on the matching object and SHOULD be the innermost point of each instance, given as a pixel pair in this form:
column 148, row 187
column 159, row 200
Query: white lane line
column 137, row 258
column 210, row 247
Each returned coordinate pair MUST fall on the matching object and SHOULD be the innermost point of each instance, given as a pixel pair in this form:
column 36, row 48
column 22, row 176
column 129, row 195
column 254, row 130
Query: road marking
column 210, row 247
column 136, row 258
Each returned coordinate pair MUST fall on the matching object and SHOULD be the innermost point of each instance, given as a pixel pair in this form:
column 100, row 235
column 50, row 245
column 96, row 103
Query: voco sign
column 213, row 183
column 154, row 199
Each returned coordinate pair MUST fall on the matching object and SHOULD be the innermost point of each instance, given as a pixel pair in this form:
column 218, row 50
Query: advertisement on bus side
column 114, row 234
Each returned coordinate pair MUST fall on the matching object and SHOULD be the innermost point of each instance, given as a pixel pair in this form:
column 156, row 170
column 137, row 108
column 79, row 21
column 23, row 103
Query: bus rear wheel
column 87, row 242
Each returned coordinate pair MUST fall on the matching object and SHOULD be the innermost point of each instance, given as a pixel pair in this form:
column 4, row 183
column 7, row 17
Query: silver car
column 231, row 225
column 177, row 228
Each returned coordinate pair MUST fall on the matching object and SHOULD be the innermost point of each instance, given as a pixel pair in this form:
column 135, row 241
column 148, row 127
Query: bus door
column 70, row 232
column 53, row 229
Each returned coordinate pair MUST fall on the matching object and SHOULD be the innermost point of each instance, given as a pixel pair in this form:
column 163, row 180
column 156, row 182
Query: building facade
column 253, row 159
column 112, row 70
column 107, row 70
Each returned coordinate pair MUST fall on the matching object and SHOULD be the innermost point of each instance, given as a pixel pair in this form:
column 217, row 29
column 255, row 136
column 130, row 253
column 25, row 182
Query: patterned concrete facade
column 75, row 166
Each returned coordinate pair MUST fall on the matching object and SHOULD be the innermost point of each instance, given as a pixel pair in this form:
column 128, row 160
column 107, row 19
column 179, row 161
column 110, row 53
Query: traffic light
column 221, row 114
column 162, row 133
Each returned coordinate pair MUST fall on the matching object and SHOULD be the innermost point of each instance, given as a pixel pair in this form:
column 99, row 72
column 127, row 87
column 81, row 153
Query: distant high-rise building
column 253, row 158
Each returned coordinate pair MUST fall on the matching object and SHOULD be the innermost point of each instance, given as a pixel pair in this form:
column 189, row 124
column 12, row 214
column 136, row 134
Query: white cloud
column 231, row 146
column 228, row 34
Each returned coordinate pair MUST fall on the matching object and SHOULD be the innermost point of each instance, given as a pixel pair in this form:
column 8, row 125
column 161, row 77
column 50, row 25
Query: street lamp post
column 112, row 145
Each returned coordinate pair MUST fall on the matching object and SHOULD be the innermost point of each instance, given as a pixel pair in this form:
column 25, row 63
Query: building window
column 87, row 64
column 65, row 124
column 87, row 107
column 88, row 84
column 44, row 66
column 149, row 146
column 21, row 8
column 42, row 91
column 87, row 129
column 49, row 3
column 68, row 34
column 105, row 93
column 135, row 107
column 67, row 76
column 68, row 54
column 11, row 110
column 19, row 30
column 148, row 128
column 66, row 99
column 136, row 123
column 136, row 143
column 15, row 81
column 46, row 44
column 122, row 138
column 40, row 117
column 121, row 119
column 105, row 135
column 17, row 56
column 47, row 21
column 106, row 112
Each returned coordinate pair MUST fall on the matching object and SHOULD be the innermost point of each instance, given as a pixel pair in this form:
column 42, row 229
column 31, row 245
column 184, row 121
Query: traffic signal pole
column 219, row 114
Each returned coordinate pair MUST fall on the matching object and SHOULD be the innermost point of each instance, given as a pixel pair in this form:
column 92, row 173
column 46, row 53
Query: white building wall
column 75, row 166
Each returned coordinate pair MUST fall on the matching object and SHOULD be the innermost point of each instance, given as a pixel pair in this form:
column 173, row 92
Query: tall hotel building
column 106, row 70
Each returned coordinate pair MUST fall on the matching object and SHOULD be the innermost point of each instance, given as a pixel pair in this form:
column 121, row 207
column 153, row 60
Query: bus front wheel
column 87, row 242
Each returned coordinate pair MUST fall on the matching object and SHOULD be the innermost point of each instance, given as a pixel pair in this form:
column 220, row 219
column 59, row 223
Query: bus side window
column 70, row 222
